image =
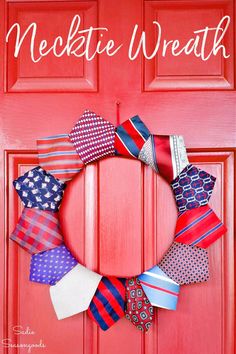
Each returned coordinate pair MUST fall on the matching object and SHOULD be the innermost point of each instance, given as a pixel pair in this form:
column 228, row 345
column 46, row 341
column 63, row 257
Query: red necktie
column 138, row 310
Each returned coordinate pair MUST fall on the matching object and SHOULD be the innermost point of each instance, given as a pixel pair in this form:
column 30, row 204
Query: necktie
column 93, row 137
column 138, row 310
column 198, row 227
column 50, row 266
column 37, row 230
column 130, row 137
column 57, row 156
column 108, row 303
column 192, row 188
column 166, row 154
column 161, row 290
column 74, row 292
column 39, row 189
column 185, row 264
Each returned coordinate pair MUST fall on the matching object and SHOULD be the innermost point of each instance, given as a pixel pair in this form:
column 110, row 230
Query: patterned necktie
column 130, row 137
column 138, row 310
column 37, row 230
column 74, row 292
column 108, row 303
column 166, row 154
column 199, row 227
column 161, row 290
column 192, row 188
column 185, row 264
column 50, row 266
column 93, row 137
column 58, row 156
column 39, row 189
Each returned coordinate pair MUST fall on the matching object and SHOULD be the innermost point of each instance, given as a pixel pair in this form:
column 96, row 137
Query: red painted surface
column 118, row 216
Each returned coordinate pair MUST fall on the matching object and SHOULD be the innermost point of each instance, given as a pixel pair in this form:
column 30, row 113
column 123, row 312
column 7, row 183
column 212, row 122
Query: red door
column 172, row 95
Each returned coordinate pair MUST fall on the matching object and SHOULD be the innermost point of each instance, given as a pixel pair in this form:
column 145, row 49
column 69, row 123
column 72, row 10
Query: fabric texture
column 199, row 227
column 192, row 188
column 130, row 137
column 108, row 303
column 138, row 310
column 160, row 289
column 93, row 137
column 185, row 264
column 58, row 157
column 166, row 154
column 50, row 266
column 74, row 292
column 39, row 189
column 37, row 230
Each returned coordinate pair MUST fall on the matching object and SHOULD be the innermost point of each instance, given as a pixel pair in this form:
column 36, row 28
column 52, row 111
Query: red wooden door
column 180, row 95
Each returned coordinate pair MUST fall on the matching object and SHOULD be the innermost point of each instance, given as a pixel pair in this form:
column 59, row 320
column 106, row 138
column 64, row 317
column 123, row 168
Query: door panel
column 117, row 216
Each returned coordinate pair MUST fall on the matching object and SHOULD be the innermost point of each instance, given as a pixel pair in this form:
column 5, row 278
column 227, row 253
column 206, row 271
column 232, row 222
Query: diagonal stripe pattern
column 199, row 227
column 185, row 264
column 108, row 303
column 37, row 230
column 58, row 156
column 160, row 289
column 166, row 154
column 130, row 137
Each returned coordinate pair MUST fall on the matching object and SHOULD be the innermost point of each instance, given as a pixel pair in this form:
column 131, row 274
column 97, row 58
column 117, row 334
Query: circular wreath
column 73, row 287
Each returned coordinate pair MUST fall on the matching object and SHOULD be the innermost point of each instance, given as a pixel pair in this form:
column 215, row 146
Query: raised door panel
column 95, row 221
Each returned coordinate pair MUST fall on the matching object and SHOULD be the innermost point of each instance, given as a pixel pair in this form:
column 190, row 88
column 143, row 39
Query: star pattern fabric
column 58, row 157
column 50, row 266
column 108, row 303
column 39, row 189
column 166, row 154
column 138, row 310
column 199, row 227
column 160, row 289
column 192, row 188
column 37, row 230
column 130, row 137
column 93, row 137
column 185, row 264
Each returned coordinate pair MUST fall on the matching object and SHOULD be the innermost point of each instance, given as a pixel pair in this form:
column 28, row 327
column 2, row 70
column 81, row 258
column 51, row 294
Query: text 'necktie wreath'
column 74, row 288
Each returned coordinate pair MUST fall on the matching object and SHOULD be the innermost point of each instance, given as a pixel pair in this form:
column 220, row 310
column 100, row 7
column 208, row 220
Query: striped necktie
column 108, row 303
column 130, row 137
column 161, row 290
column 199, row 227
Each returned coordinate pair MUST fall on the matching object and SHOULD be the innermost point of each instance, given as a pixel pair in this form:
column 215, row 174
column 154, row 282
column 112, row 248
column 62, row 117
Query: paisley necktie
column 138, row 310
column 108, row 303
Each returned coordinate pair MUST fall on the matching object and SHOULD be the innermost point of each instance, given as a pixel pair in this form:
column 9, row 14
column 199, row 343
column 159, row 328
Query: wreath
column 73, row 287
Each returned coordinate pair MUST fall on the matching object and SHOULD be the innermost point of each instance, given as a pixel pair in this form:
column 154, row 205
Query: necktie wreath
column 73, row 287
